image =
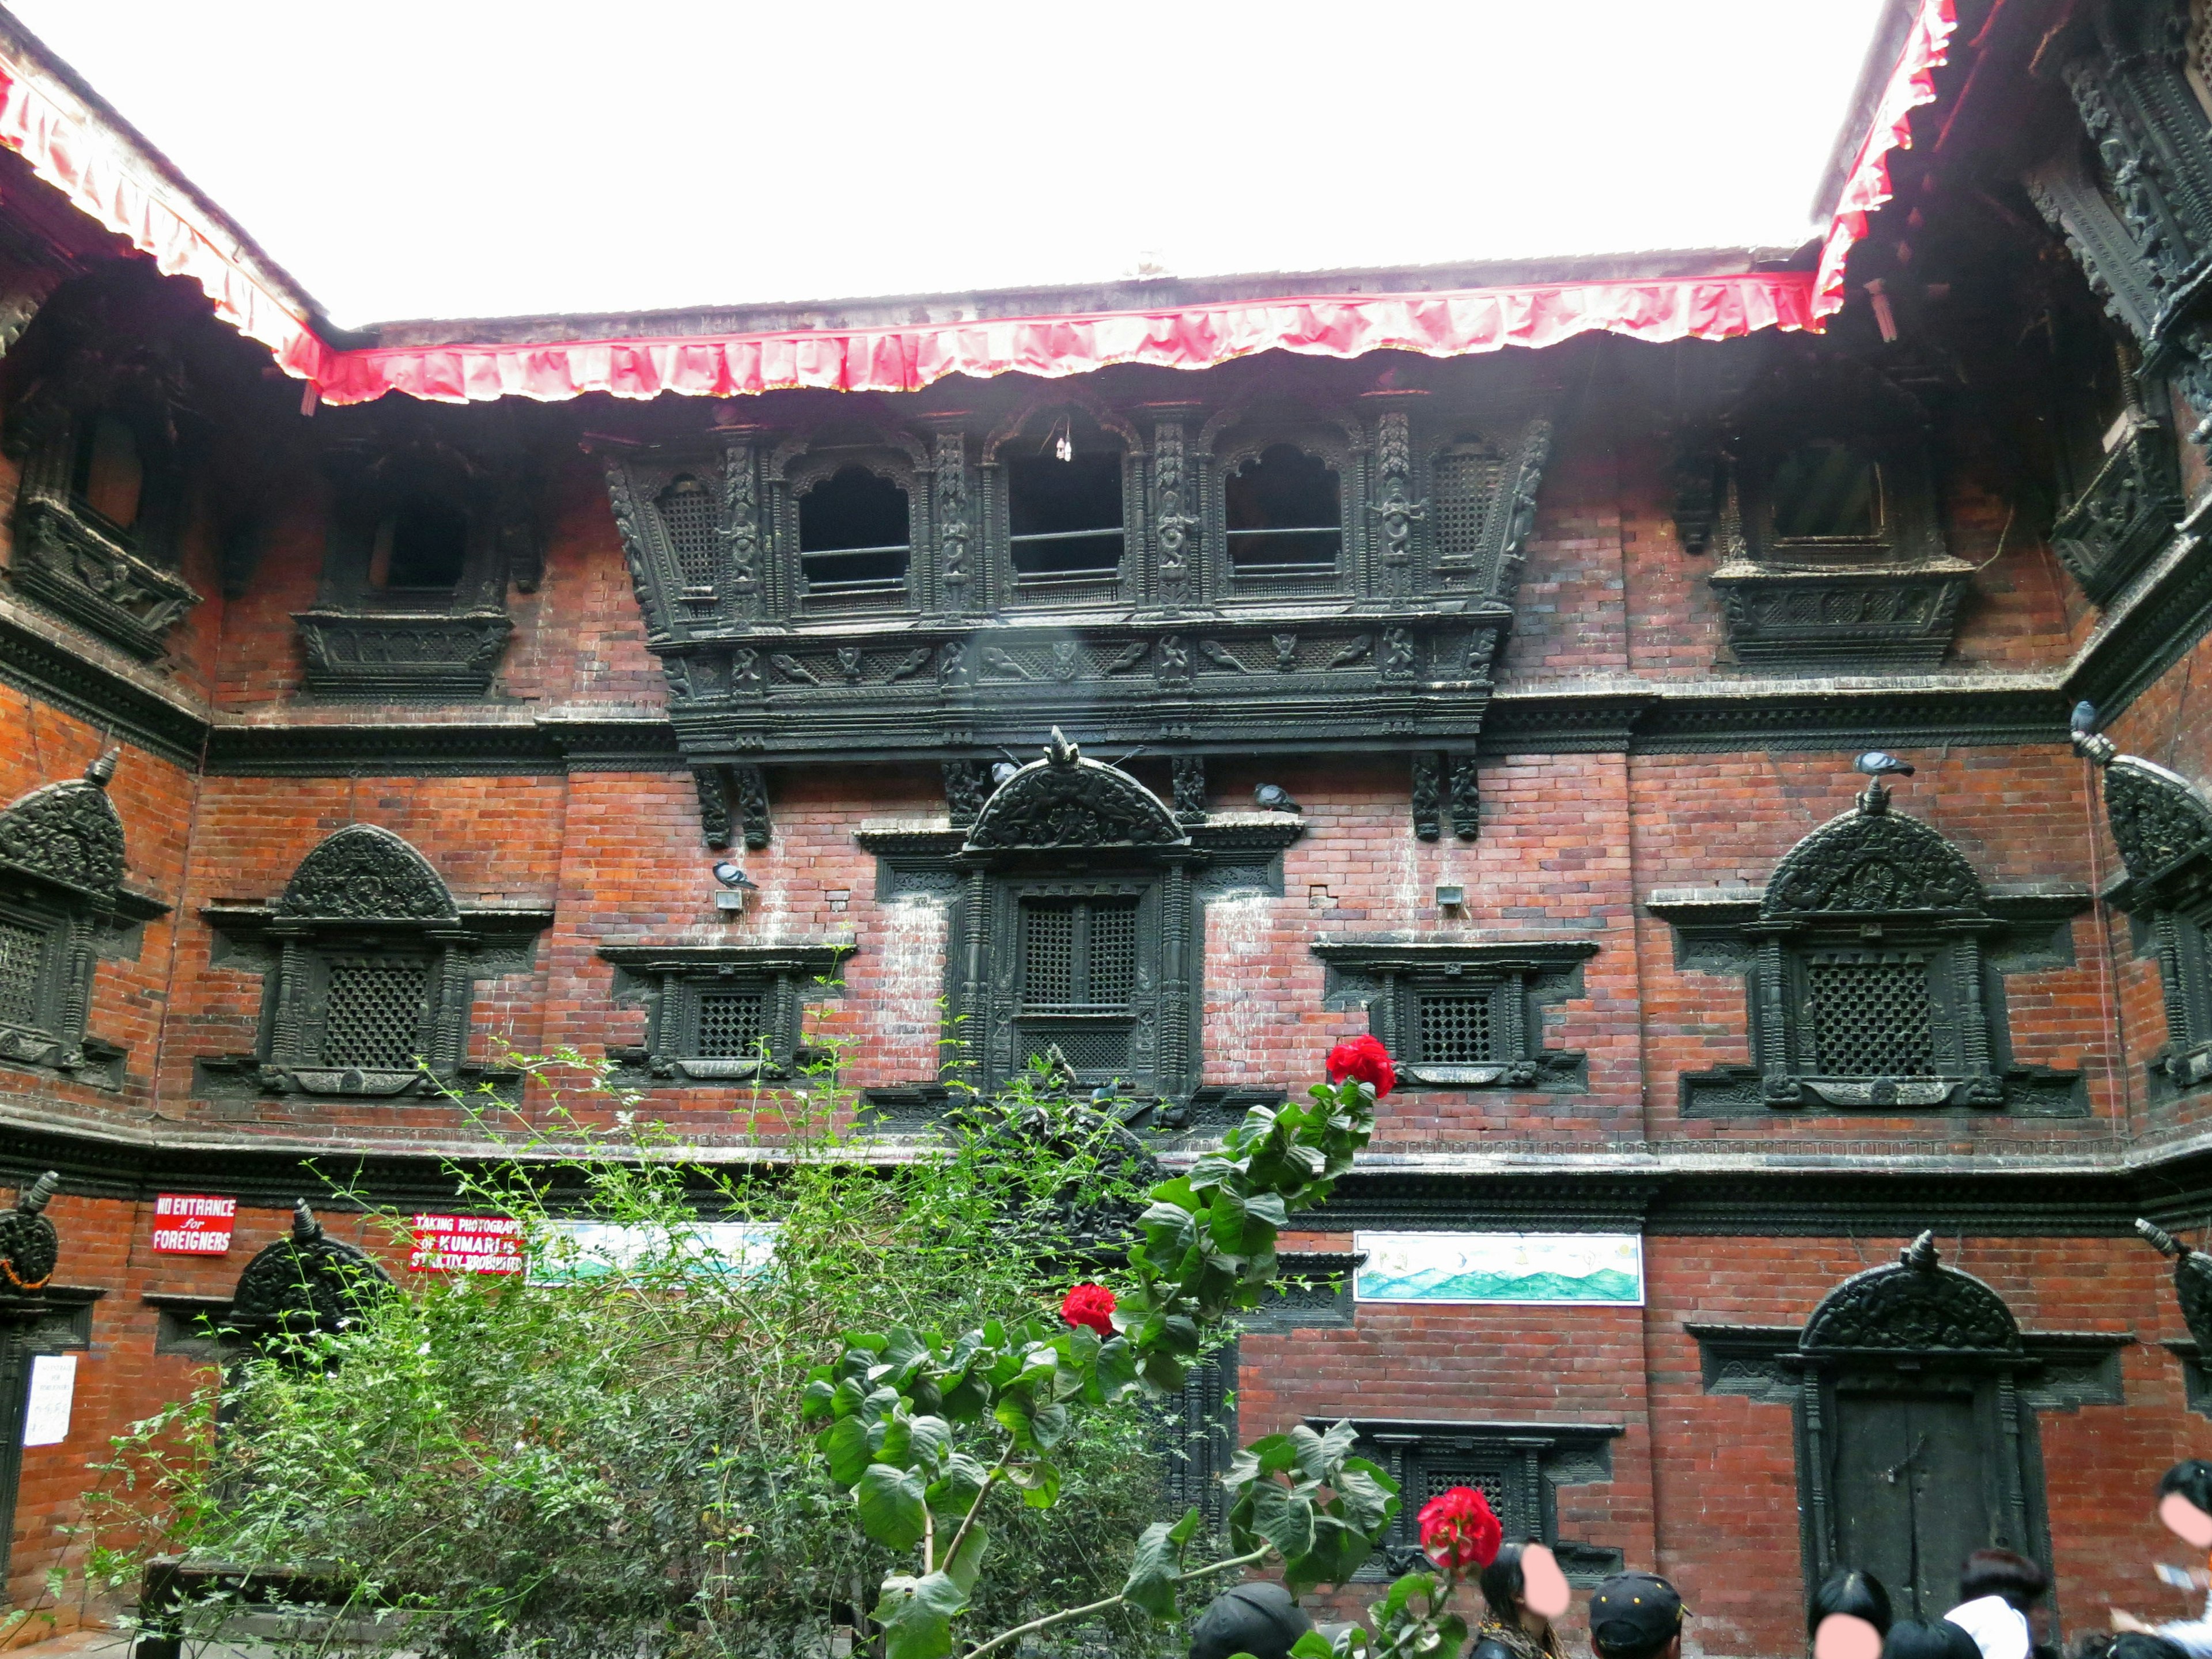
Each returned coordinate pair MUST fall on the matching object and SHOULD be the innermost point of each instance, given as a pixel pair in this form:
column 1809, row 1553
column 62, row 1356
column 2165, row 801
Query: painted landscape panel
column 1605, row 1268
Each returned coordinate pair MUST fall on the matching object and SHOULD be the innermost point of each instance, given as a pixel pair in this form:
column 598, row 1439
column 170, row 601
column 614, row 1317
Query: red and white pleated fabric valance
column 108, row 177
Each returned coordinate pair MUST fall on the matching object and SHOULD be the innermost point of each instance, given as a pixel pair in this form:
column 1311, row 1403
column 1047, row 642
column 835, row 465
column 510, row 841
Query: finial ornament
column 304, row 1227
column 2192, row 1280
column 1920, row 1255
column 101, row 772
column 1061, row 752
column 33, row 1198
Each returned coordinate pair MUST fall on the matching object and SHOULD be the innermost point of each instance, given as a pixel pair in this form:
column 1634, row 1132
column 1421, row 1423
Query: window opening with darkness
column 1065, row 517
column 1283, row 515
column 373, row 1011
column 423, row 547
column 687, row 516
column 731, row 1024
column 1871, row 1015
column 1079, row 980
column 107, row 474
column 22, row 975
column 853, row 534
column 1455, row 1028
column 1826, row 492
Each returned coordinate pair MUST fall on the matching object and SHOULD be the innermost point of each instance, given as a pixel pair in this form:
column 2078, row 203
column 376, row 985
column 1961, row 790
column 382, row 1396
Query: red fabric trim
column 1866, row 186
column 1195, row 336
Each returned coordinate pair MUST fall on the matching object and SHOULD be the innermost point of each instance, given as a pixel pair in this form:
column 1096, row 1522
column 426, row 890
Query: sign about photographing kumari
column 1560, row 1269
column 590, row 1250
column 46, row 1413
column 465, row 1244
column 193, row 1224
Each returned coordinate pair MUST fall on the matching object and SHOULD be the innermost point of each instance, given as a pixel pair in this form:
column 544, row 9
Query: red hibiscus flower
column 1090, row 1305
column 1458, row 1530
column 1366, row 1060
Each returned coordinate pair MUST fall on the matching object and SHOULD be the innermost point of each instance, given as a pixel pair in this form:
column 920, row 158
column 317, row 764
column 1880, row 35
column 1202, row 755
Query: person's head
column 1259, row 1619
column 2020, row 1581
column 1524, row 1576
column 1849, row 1617
column 2141, row 1645
column 1912, row 1638
column 2185, row 1502
column 1635, row 1615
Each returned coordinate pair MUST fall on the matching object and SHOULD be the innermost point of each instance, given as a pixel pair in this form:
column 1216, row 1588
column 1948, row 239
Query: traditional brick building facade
column 1502, row 702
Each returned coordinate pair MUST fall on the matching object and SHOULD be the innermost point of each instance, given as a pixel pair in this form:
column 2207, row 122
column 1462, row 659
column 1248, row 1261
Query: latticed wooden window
column 1465, row 482
column 1870, row 1014
column 1078, row 977
column 687, row 516
column 732, row 1025
column 24, row 956
column 1455, row 1028
column 374, row 1012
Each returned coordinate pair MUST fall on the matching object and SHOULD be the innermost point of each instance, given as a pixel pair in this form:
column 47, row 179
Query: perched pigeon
column 1876, row 762
column 2085, row 718
column 1274, row 798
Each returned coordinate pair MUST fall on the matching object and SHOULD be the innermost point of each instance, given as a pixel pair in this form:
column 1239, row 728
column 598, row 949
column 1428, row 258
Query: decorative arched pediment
column 2158, row 818
column 68, row 832
column 1874, row 861
column 1916, row 1303
column 29, row 1247
column 364, row 873
column 1065, row 800
column 305, row 1279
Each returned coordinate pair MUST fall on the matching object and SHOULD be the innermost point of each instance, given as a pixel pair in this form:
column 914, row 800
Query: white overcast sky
column 480, row 158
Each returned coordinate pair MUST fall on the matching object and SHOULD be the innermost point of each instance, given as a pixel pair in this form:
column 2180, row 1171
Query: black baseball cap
column 1633, row 1613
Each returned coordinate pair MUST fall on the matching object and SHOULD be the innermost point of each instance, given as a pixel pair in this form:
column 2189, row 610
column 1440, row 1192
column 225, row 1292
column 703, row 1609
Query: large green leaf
column 929, row 1439
column 917, row 1615
column 845, row 1442
column 1281, row 1518
column 964, row 1568
column 1158, row 1560
column 951, row 1494
column 1369, row 1496
column 1039, row 1483
column 890, row 1504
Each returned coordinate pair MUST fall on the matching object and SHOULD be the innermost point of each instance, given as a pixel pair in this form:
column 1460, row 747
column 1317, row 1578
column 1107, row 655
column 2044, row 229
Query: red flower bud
column 1365, row 1059
column 1458, row 1529
column 1090, row 1305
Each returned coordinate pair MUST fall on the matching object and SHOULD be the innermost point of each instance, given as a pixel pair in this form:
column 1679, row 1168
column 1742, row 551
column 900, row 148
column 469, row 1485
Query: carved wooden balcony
column 77, row 568
column 1842, row 619
column 404, row 654
column 2125, row 515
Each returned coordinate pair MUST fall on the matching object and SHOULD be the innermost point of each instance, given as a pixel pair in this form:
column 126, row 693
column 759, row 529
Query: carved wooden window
column 1064, row 516
column 1826, row 492
column 1466, row 481
column 1079, row 980
column 717, row 1014
column 1462, row 1015
column 855, row 535
column 421, row 549
column 108, row 476
column 369, row 971
column 690, row 519
column 1515, row 1465
column 1282, row 517
column 1874, row 1013
column 2185, row 959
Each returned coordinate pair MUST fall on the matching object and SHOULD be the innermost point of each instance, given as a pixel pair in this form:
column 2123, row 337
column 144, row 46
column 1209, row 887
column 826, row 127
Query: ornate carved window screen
column 1874, row 961
column 370, row 970
column 1513, row 1465
column 1463, row 1014
column 2162, row 824
column 718, row 1014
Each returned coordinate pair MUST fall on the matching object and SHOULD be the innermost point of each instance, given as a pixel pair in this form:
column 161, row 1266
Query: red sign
column 186, row 1224
column 466, row 1244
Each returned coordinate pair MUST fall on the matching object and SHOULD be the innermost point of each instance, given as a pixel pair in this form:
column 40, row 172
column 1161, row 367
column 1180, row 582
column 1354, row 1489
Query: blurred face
column 2186, row 1522
column 1544, row 1586
column 1844, row 1636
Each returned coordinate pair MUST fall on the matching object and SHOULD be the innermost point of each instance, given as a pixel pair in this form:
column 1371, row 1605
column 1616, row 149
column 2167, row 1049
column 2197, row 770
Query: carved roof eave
column 798, row 957
column 483, row 926
column 2153, row 792
column 1422, row 954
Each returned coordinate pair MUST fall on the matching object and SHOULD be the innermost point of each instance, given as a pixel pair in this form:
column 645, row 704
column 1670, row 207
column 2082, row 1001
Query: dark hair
column 2001, row 1572
column 1502, row 1582
column 2139, row 1645
column 1912, row 1638
column 2095, row 1645
column 1657, row 1645
column 1853, row 1594
column 2192, row 1479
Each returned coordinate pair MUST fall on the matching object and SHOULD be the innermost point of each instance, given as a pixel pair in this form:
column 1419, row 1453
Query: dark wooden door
column 1915, row 1489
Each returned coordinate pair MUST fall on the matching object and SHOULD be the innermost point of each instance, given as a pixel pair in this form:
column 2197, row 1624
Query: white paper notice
column 53, row 1381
